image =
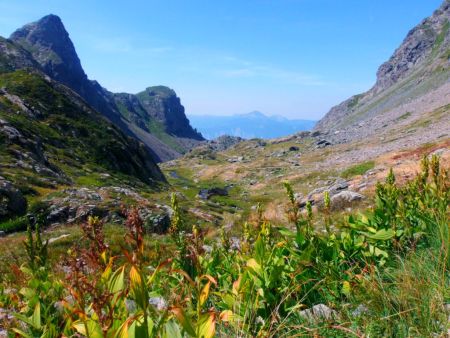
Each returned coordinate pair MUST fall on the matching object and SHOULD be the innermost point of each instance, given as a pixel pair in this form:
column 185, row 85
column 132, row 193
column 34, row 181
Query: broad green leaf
column 36, row 318
column 171, row 330
column 116, row 283
column 381, row 235
column 253, row 264
column 93, row 328
column 259, row 250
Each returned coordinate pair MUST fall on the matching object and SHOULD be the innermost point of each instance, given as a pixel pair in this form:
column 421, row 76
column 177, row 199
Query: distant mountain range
column 251, row 125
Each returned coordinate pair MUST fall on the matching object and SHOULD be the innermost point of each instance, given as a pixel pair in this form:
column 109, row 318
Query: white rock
column 319, row 311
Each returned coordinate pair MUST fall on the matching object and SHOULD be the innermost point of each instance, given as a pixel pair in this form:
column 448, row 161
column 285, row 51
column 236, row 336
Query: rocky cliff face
column 47, row 43
column 418, row 70
column 163, row 105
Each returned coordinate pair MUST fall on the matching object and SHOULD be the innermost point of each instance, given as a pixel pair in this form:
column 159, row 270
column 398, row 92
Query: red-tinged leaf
column 226, row 316
column 207, row 325
column 189, row 279
column 237, row 285
column 184, row 321
column 210, row 278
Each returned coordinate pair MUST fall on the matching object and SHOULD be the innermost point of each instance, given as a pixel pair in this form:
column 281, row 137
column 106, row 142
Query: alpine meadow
column 170, row 213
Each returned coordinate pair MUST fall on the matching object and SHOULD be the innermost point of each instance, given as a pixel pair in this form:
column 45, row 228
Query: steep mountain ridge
column 413, row 81
column 49, row 44
column 50, row 138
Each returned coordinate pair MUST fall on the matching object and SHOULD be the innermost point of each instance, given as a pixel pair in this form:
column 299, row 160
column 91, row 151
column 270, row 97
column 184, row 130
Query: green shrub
column 394, row 259
column 14, row 225
column 358, row 169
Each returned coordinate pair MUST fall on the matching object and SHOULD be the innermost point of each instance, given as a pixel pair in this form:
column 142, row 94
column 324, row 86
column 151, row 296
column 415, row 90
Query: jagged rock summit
column 50, row 44
column 158, row 121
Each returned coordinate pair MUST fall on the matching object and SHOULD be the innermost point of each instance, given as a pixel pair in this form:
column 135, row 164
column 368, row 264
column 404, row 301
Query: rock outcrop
column 415, row 80
column 12, row 201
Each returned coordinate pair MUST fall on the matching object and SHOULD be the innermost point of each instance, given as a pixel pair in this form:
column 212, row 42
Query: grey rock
column 323, row 143
column 235, row 244
column 360, row 310
column 55, row 239
column 12, row 201
column 423, row 49
column 84, row 211
column 58, row 215
column 345, row 198
column 206, row 194
column 319, row 312
column 158, row 303
column 157, row 223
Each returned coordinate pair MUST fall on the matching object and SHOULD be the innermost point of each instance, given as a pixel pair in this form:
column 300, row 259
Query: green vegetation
column 440, row 38
column 392, row 262
column 358, row 169
column 404, row 116
column 157, row 129
column 17, row 224
column 74, row 139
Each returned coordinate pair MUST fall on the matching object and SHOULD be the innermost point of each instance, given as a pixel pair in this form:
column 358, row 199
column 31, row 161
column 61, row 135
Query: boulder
column 323, row 143
column 12, row 201
column 158, row 223
column 316, row 196
column 206, row 194
column 319, row 312
column 58, row 215
column 345, row 198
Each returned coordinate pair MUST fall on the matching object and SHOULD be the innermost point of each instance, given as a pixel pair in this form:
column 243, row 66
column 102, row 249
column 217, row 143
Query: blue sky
column 295, row 58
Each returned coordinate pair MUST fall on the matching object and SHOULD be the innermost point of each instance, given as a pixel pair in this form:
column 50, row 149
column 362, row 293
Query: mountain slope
column 50, row 138
column 251, row 125
column 50, row 46
column 413, row 81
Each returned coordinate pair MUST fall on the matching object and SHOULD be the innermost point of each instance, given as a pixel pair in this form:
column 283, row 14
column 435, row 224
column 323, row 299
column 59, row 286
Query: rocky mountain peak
column 49, row 43
column 426, row 38
column 161, row 91
column 153, row 117
column 419, row 69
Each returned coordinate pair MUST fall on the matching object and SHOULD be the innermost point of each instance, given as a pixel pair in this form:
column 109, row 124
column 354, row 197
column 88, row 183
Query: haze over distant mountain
column 251, row 125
